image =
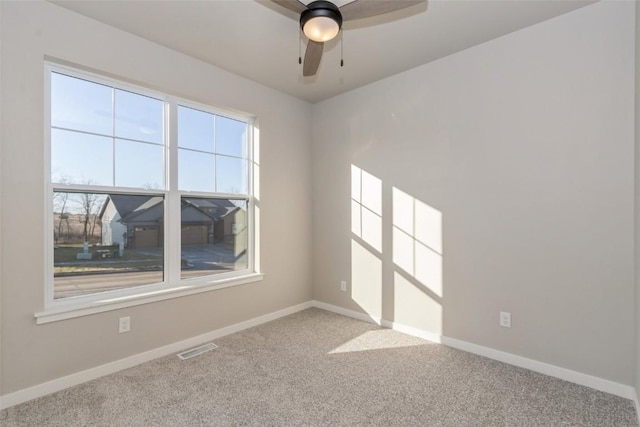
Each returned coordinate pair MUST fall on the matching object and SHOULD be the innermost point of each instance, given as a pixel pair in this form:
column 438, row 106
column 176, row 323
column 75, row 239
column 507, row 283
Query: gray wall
column 517, row 153
column 32, row 354
column 1, row 259
column 637, row 199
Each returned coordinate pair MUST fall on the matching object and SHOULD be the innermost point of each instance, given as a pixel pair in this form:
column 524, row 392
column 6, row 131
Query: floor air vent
column 188, row 354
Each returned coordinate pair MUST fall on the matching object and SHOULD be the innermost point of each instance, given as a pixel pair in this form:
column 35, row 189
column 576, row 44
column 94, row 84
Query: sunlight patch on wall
column 366, row 207
column 366, row 279
column 413, row 307
column 428, row 226
column 377, row 340
column 366, row 224
column 417, row 240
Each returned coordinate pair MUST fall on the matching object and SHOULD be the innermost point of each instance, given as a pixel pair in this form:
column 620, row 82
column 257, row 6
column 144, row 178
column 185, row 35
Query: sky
column 111, row 137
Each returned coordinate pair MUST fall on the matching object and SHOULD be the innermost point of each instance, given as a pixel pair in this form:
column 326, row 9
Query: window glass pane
column 80, row 158
column 102, row 136
column 195, row 129
column 231, row 175
column 132, row 172
column 213, row 236
column 231, row 136
column 106, row 242
column 196, row 171
column 81, row 105
column 138, row 117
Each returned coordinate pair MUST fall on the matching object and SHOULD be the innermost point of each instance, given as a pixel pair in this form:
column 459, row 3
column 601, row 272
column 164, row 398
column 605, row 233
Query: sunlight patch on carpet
column 377, row 340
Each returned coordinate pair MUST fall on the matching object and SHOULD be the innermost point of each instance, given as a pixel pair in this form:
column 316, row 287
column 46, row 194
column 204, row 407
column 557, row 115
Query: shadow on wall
column 415, row 255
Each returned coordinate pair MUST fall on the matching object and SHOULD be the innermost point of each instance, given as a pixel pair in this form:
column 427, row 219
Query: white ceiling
column 260, row 40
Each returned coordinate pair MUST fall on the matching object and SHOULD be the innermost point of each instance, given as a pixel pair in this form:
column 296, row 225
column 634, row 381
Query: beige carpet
column 316, row 368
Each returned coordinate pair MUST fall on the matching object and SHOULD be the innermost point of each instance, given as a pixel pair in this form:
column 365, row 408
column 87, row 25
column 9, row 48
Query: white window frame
column 172, row 286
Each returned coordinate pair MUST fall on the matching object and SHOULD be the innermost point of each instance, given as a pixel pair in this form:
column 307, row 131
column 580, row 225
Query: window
column 147, row 193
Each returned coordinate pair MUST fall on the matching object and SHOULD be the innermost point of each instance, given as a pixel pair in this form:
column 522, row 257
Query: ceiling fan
column 321, row 21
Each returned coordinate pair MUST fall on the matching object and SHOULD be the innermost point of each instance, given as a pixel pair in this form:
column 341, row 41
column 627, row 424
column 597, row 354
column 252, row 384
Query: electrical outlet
column 343, row 285
column 505, row 319
column 124, row 324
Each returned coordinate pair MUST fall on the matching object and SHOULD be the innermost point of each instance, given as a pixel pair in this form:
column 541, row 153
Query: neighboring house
column 132, row 221
column 137, row 222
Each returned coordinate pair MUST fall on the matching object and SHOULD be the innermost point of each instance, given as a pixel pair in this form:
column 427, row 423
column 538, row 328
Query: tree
column 94, row 220
column 90, row 204
column 63, row 217
column 87, row 204
column 60, row 200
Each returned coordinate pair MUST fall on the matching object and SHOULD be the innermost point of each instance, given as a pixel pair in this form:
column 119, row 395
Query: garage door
column 146, row 237
column 194, row 234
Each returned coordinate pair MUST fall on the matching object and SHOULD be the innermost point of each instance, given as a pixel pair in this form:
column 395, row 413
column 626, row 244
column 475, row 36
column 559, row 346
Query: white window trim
column 118, row 302
column 172, row 286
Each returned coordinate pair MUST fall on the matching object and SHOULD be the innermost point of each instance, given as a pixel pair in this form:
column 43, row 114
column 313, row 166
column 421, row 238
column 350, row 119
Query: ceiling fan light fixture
column 321, row 21
column 321, row 29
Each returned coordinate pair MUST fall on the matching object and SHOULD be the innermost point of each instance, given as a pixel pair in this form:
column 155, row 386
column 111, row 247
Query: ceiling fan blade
column 312, row 58
column 359, row 9
column 293, row 5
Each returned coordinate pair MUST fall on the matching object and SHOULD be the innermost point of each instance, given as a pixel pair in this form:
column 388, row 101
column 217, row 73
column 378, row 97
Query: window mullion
column 48, row 202
column 113, row 137
column 172, row 225
column 251, row 211
column 218, row 229
column 215, row 155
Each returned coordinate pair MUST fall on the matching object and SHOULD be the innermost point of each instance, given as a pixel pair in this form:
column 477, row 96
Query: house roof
column 215, row 208
column 139, row 208
column 149, row 211
column 126, row 204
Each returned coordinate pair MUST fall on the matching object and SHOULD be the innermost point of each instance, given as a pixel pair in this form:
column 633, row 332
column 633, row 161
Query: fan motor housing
column 321, row 8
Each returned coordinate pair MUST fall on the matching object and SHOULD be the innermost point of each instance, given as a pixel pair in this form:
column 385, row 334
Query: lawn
column 67, row 253
column 65, row 261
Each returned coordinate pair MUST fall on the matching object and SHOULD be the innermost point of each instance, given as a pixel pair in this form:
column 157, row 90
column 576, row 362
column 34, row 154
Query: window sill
column 77, row 310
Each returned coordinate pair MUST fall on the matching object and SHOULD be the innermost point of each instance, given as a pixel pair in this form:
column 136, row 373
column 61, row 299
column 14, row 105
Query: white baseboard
column 597, row 383
column 58, row 384
column 346, row 312
column 601, row 384
column 410, row 330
